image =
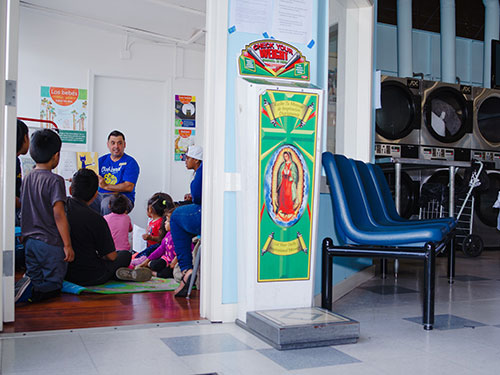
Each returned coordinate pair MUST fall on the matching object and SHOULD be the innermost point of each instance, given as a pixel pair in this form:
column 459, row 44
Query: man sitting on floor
column 96, row 260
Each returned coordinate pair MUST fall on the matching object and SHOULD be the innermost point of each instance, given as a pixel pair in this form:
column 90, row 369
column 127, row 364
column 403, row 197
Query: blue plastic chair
column 357, row 223
column 384, row 192
column 382, row 210
column 368, row 234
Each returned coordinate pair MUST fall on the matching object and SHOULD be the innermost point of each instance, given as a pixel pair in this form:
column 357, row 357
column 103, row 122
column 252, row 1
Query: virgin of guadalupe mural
column 288, row 175
column 286, row 186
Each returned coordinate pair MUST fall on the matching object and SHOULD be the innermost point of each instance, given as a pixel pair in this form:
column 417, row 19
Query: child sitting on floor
column 119, row 222
column 163, row 259
column 157, row 205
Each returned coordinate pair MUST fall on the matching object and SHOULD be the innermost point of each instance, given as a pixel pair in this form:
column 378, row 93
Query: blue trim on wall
column 343, row 268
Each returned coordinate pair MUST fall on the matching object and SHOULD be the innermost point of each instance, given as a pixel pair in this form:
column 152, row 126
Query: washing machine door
column 400, row 111
column 485, row 200
column 447, row 114
column 409, row 193
column 488, row 120
column 442, row 176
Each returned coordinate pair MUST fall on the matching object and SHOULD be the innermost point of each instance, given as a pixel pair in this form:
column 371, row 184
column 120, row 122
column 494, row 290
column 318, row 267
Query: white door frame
column 9, row 43
column 211, row 306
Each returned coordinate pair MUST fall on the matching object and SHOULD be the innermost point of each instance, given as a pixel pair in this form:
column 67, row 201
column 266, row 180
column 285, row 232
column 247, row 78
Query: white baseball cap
column 195, row 152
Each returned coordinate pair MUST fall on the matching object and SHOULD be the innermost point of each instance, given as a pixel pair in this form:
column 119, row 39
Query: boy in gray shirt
column 44, row 225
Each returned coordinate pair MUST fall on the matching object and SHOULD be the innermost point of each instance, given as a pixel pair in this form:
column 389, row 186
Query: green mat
column 156, row 284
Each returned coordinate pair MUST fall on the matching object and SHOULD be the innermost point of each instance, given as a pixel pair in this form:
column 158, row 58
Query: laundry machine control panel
column 444, row 153
column 437, row 153
column 396, row 151
column 487, row 156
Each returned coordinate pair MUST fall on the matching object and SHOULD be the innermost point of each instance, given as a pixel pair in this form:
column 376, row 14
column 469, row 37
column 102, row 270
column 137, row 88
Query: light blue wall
column 427, row 55
column 343, row 268
column 317, row 56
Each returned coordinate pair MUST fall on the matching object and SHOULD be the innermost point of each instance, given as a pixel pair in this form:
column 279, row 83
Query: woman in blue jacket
column 185, row 222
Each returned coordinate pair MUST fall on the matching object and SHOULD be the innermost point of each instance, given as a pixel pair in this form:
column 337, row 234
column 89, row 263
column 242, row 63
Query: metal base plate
column 301, row 328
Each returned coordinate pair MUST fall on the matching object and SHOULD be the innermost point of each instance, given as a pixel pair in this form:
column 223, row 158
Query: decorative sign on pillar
column 288, row 127
column 271, row 58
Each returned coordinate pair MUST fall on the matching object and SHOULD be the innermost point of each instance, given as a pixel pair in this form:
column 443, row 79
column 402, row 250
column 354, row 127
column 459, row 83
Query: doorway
column 132, row 75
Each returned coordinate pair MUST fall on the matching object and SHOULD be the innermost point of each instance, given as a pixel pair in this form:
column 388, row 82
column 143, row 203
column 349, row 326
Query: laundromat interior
column 385, row 117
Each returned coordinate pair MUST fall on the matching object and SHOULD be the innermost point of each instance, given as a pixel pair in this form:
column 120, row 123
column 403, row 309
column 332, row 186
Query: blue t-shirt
column 196, row 185
column 125, row 169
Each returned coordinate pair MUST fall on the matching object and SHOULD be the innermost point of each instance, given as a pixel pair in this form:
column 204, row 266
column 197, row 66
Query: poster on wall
column 183, row 139
column 67, row 107
column 288, row 129
column 185, row 111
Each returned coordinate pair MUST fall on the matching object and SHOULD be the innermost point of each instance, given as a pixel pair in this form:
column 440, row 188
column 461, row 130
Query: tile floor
column 466, row 338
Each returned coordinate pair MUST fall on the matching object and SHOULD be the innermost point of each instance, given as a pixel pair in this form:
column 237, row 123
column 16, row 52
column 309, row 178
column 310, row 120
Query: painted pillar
column 405, row 64
column 491, row 31
column 448, row 36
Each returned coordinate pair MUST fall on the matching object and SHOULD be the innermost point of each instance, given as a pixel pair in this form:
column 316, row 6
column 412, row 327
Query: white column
column 405, row 62
column 448, row 37
column 354, row 137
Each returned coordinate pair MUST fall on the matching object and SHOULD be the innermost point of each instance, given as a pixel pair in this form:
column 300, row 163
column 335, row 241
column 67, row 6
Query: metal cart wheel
column 472, row 245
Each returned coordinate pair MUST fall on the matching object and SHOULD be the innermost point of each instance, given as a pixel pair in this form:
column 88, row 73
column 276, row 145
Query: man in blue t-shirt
column 118, row 172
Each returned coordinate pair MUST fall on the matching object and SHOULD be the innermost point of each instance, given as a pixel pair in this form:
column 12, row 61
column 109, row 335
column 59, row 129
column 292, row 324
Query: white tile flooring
column 389, row 342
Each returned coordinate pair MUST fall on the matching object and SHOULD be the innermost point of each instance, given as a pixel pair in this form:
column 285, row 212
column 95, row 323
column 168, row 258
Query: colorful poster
column 183, row 139
column 67, row 107
column 185, row 111
column 288, row 127
column 88, row 160
column 273, row 59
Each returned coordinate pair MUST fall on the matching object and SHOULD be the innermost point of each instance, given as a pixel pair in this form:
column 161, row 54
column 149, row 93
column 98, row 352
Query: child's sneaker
column 139, row 274
column 23, row 289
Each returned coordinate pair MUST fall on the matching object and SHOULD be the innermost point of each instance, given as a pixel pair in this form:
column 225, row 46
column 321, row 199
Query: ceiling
column 426, row 16
column 180, row 22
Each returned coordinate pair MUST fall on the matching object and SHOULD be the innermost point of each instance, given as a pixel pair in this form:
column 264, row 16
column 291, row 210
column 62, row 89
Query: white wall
column 54, row 51
column 427, row 55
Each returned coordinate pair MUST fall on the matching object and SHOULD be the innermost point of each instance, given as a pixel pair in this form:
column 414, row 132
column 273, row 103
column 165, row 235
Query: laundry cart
column 433, row 204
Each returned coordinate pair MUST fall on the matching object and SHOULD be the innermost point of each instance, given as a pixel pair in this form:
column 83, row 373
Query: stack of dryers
column 398, row 133
column 486, row 147
column 447, row 116
column 398, row 120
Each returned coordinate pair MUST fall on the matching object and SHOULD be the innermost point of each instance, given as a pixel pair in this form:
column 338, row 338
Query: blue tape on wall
column 311, row 44
column 232, row 29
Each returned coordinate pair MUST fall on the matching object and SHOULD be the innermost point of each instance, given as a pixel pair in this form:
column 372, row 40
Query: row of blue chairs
column 368, row 225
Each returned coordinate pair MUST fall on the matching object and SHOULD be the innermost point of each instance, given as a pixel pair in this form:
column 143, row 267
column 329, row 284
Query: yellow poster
column 88, row 160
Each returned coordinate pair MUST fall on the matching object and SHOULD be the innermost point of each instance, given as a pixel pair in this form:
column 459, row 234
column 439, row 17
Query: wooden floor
column 97, row 310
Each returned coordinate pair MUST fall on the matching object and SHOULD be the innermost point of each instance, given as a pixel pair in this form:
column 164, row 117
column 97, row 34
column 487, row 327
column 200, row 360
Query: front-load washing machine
column 447, row 116
column 398, row 120
column 485, row 216
column 485, row 143
column 410, row 189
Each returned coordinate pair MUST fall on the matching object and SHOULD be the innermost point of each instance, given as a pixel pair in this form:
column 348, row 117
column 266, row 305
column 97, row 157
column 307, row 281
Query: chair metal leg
column 451, row 260
column 383, row 268
column 196, row 266
column 429, row 284
column 326, row 277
